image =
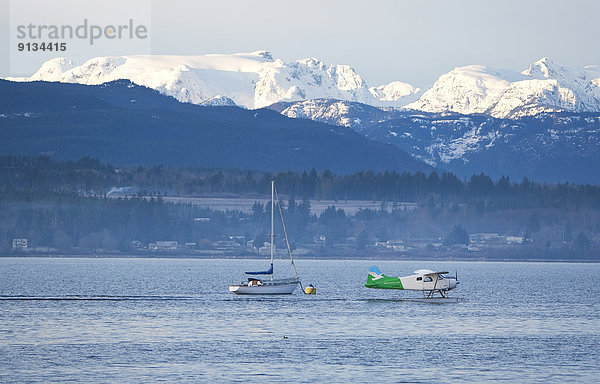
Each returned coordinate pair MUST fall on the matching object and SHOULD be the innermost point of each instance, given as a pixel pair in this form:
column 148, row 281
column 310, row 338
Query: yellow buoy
column 310, row 290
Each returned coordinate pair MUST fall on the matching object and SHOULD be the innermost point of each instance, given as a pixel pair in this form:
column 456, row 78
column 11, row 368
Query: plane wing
column 428, row 272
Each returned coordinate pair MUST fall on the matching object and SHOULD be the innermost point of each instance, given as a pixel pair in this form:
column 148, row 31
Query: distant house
column 484, row 238
column 396, row 245
column 227, row 245
column 266, row 249
column 19, row 244
column 238, row 239
column 515, row 239
column 164, row 246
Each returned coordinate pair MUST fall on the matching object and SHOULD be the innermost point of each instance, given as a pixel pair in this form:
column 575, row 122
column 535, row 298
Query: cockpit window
column 428, row 279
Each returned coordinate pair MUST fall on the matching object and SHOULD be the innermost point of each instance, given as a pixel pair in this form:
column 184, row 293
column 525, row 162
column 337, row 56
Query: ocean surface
column 173, row 320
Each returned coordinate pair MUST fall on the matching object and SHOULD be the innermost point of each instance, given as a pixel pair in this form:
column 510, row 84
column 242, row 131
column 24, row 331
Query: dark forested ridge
column 123, row 123
column 74, row 207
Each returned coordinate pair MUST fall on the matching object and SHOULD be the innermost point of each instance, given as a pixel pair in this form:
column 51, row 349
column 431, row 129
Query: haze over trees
column 66, row 206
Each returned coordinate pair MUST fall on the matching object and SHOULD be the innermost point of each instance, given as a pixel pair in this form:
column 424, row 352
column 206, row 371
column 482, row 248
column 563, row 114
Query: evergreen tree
column 458, row 235
column 362, row 240
column 582, row 243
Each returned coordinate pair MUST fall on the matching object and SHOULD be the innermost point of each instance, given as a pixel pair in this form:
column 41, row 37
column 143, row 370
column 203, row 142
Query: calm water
column 149, row 320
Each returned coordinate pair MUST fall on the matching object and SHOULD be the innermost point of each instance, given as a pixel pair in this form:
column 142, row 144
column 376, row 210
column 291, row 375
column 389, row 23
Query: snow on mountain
column 256, row 80
column 467, row 90
column 52, row 70
column 565, row 88
column 553, row 147
column 320, row 110
column 544, row 87
column 219, row 101
column 308, row 79
column 395, row 91
column 191, row 79
column 252, row 80
column 336, row 112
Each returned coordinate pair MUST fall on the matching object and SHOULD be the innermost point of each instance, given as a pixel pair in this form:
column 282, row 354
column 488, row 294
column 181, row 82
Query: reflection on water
column 145, row 320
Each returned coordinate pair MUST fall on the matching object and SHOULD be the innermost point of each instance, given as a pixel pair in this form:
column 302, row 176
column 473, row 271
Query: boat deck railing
column 273, row 282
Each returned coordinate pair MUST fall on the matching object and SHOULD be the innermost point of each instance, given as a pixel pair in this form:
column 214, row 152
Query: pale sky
column 414, row 41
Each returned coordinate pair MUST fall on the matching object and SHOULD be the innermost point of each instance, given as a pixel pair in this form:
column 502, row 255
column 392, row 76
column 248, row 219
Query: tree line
column 90, row 177
column 65, row 205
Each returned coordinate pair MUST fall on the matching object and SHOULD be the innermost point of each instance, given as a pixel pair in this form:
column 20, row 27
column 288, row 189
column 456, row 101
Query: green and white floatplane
column 424, row 280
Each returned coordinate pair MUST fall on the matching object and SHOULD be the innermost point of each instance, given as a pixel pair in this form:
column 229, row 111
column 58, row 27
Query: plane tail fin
column 374, row 275
column 376, row 279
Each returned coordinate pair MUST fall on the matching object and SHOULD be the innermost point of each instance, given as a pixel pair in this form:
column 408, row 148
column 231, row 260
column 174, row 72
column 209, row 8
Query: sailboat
column 269, row 286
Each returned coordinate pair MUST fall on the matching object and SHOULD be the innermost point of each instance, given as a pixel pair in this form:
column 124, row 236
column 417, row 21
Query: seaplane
column 429, row 282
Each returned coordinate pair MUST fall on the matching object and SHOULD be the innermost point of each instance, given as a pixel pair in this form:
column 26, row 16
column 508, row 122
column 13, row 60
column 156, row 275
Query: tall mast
column 272, row 209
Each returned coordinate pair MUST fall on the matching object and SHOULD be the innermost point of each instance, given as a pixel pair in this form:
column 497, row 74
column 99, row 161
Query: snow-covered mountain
column 543, row 123
column 554, row 147
column 219, row 101
column 557, row 146
column 256, row 80
column 337, row 112
column 251, row 80
column 544, row 87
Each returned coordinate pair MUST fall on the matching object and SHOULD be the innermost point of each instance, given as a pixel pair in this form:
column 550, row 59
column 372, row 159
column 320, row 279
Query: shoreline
column 298, row 258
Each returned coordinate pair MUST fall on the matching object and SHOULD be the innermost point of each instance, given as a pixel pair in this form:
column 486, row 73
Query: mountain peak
column 545, row 86
column 219, row 101
column 393, row 91
column 52, row 69
column 312, row 62
column 468, row 89
column 543, row 68
column 264, row 54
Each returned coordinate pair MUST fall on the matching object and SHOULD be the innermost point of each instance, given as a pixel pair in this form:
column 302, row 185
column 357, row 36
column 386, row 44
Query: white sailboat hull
column 284, row 287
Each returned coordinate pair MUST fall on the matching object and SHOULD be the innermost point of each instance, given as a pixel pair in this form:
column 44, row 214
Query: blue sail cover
column 267, row 272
